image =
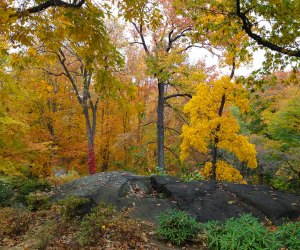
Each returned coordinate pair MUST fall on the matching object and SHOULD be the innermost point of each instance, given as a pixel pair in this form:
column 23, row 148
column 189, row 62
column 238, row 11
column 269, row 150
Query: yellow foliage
column 207, row 125
column 224, row 172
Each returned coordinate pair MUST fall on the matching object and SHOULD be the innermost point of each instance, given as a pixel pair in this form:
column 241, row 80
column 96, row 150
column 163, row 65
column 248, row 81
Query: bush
column 6, row 194
column 72, row 207
column 93, row 226
column 289, row 235
column 246, row 232
column 38, row 200
column 191, row 176
column 25, row 186
column 177, row 226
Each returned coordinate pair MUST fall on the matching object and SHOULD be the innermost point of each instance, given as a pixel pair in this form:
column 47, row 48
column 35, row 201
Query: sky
column 196, row 54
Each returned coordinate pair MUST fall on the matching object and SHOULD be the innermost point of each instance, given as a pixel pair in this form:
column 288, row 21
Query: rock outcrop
column 148, row 196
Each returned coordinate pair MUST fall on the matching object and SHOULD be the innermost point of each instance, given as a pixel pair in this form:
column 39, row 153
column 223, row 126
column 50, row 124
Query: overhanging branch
column 177, row 95
column 247, row 27
column 47, row 4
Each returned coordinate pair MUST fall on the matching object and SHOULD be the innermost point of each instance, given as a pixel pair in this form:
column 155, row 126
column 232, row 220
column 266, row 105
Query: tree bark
column 47, row 4
column 160, row 125
column 86, row 103
column 91, row 137
column 216, row 140
column 247, row 27
column 214, row 160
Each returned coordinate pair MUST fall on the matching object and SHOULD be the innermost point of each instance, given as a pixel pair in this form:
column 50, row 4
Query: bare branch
column 54, row 74
column 131, row 43
column 177, row 95
column 173, row 129
column 140, row 32
column 233, row 68
column 62, row 59
column 172, row 40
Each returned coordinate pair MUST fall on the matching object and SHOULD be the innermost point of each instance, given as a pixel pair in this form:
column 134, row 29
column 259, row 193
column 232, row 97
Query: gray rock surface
column 148, row 196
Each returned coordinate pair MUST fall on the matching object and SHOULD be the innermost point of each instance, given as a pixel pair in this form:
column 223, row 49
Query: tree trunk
column 260, row 174
column 105, row 158
column 90, row 130
column 91, row 161
column 91, row 152
column 160, row 125
column 214, row 160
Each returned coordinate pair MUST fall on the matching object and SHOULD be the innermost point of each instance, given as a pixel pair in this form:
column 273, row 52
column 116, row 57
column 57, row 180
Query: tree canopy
column 91, row 86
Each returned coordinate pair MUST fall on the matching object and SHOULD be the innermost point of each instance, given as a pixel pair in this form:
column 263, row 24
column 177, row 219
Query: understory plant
column 289, row 235
column 246, row 232
column 177, row 226
column 72, row 207
column 93, row 226
column 6, row 194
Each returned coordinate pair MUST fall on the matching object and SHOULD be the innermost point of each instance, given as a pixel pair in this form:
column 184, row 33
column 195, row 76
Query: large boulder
column 148, row 196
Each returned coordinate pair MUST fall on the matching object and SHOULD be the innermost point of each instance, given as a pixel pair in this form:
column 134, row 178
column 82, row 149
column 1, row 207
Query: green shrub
column 94, row 225
column 72, row 207
column 177, row 226
column 24, row 187
column 289, row 235
column 6, row 194
column 38, row 200
column 191, row 176
column 246, row 232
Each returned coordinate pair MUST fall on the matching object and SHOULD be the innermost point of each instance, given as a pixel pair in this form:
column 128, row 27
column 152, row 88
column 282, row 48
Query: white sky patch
column 196, row 54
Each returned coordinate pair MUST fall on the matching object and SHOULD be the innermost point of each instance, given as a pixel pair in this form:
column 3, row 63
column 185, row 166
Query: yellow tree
column 213, row 127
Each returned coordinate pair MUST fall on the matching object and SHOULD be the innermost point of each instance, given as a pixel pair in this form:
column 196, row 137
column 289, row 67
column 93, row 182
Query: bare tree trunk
column 216, row 141
column 91, row 158
column 91, row 137
column 214, row 160
column 260, row 174
column 105, row 157
column 160, row 125
column 86, row 102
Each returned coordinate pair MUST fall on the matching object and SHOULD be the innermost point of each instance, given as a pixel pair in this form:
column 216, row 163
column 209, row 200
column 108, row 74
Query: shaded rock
column 273, row 204
column 148, row 196
column 158, row 182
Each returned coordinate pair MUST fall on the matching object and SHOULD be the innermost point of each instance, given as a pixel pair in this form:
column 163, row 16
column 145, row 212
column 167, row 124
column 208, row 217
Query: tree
column 272, row 127
column 76, row 35
column 165, row 53
column 213, row 126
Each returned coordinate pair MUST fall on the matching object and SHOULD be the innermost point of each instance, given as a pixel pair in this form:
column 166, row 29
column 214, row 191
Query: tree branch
column 140, row 32
column 62, row 60
column 177, row 95
column 173, row 129
column 261, row 41
column 47, row 4
column 172, row 40
column 233, row 68
column 52, row 73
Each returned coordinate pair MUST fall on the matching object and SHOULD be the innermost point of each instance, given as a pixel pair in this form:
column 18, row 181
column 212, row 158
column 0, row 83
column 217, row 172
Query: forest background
column 99, row 86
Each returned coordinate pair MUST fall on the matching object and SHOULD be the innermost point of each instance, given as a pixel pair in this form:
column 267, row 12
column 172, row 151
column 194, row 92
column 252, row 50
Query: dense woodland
column 152, row 87
column 90, row 86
